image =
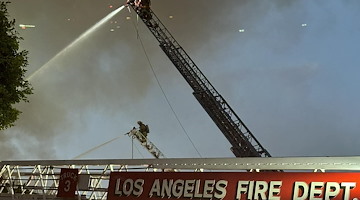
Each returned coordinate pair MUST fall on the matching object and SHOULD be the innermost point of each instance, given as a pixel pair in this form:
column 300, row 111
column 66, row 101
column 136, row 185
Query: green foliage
column 13, row 86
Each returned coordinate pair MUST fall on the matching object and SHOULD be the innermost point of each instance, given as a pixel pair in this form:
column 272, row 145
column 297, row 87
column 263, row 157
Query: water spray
column 77, row 40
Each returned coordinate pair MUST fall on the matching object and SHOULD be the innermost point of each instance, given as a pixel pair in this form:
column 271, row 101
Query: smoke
column 271, row 72
column 92, row 75
column 103, row 74
column 264, row 73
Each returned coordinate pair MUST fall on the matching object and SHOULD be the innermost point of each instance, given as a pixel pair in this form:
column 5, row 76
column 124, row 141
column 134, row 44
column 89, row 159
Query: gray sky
column 292, row 75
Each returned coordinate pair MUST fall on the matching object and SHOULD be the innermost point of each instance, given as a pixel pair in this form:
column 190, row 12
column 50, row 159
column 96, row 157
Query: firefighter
column 130, row 2
column 144, row 8
column 144, row 4
column 144, row 129
column 139, row 3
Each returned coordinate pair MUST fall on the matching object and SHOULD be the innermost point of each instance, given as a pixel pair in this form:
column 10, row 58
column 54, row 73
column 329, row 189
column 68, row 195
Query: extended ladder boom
column 243, row 142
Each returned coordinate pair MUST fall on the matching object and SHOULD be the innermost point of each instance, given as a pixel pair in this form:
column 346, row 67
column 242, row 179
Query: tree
column 13, row 62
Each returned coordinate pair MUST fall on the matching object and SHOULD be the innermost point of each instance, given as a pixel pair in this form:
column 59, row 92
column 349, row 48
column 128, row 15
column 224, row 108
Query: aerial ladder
column 244, row 143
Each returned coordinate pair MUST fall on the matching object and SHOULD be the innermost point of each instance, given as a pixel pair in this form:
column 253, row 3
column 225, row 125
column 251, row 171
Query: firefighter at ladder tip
column 144, row 130
column 142, row 7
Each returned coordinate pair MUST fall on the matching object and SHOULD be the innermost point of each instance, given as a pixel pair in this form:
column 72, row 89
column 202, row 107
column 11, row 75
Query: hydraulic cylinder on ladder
column 243, row 142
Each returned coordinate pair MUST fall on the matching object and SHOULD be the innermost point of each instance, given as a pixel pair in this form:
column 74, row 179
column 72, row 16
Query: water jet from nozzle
column 77, row 40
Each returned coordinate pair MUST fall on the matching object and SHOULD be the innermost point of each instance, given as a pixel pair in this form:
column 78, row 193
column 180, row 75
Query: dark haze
column 104, row 84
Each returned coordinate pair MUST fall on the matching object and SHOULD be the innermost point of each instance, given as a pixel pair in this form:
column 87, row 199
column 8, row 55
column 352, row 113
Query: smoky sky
column 291, row 76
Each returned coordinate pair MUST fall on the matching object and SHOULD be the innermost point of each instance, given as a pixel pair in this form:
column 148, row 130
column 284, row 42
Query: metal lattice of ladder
column 244, row 143
column 146, row 143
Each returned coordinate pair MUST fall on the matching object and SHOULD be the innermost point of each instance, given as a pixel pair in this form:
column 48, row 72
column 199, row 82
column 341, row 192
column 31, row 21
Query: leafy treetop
column 13, row 86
